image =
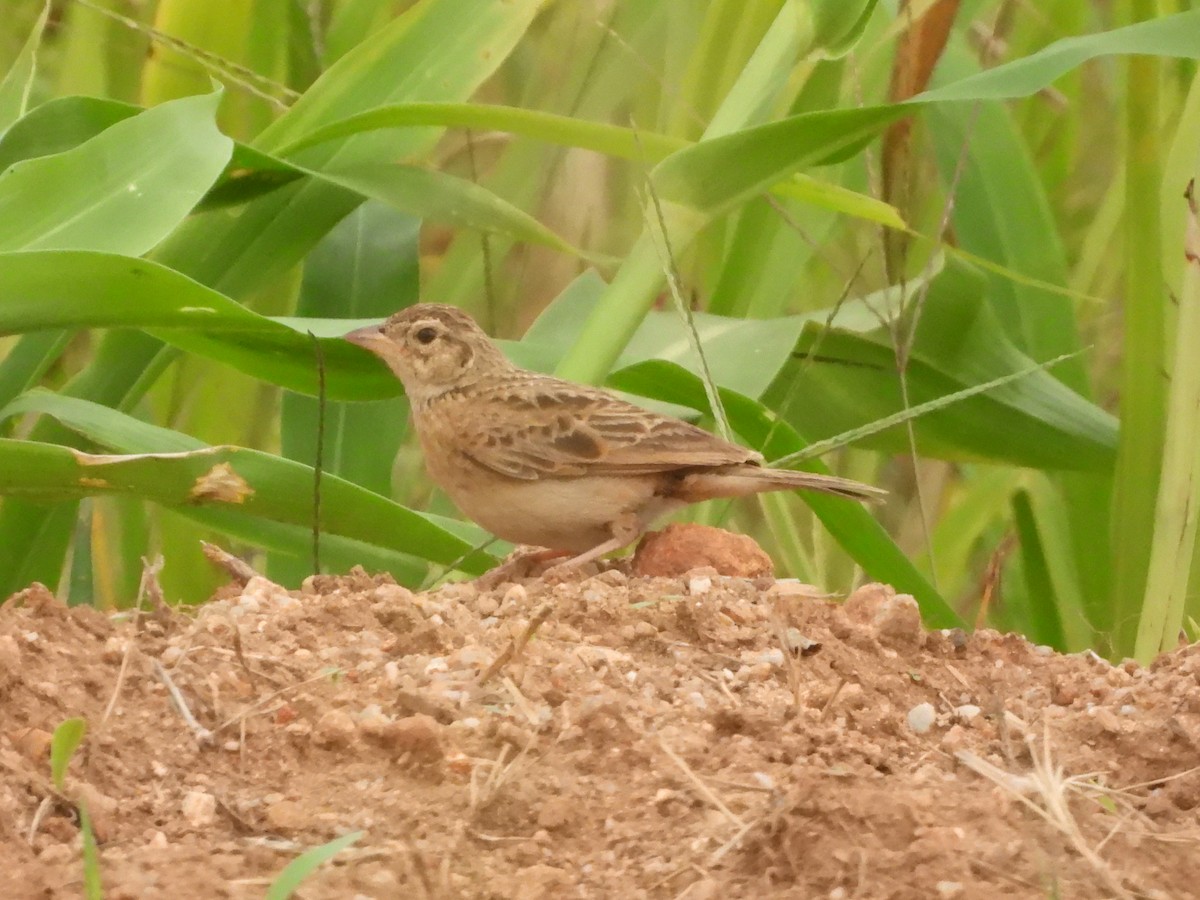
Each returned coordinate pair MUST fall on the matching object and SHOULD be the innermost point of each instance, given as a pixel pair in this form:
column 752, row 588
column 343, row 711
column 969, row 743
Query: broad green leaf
column 612, row 140
column 851, row 379
column 122, row 191
column 60, row 124
column 744, row 355
column 439, row 197
column 253, row 484
column 708, row 178
column 435, row 196
column 39, row 290
column 1172, row 36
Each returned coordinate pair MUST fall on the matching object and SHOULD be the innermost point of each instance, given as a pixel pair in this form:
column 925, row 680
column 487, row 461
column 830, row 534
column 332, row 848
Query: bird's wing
column 545, row 428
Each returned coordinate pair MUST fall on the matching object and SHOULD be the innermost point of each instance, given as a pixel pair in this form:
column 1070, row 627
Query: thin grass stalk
column 1178, row 500
column 1143, row 388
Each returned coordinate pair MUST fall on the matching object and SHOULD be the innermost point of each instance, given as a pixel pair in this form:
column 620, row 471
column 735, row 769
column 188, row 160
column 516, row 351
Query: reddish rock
column 681, row 547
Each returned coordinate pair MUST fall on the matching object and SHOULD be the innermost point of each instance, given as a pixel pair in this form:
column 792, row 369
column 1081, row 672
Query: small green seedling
column 63, row 744
column 305, row 864
column 65, row 741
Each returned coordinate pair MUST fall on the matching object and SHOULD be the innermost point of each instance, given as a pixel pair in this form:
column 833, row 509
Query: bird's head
column 432, row 348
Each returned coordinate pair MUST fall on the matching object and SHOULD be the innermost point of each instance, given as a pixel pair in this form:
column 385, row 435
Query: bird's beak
column 369, row 338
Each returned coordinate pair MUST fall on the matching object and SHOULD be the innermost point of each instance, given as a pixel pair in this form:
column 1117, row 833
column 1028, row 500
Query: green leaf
column 744, row 355
column 1171, row 36
column 229, row 487
column 439, row 197
column 567, row 131
column 839, row 24
column 40, row 291
column 849, row 379
column 300, row 868
column 65, row 741
column 93, row 889
column 122, row 191
column 60, row 124
column 249, row 482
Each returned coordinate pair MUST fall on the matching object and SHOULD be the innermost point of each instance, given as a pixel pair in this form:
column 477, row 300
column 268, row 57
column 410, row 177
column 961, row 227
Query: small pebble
column 199, row 808
column 773, row 657
column 391, row 672
column 921, row 718
column 335, row 728
column 967, row 711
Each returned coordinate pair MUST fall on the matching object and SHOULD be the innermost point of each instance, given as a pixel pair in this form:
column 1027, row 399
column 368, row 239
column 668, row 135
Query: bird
column 544, row 462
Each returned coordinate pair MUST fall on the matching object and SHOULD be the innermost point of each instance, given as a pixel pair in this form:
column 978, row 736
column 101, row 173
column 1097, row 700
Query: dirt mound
column 695, row 737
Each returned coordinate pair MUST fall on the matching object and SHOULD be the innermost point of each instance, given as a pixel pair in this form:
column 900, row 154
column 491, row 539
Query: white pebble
column 391, row 672
column 698, row 700
column 701, row 584
column 199, row 808
column 921, row 718
column 774, row 656
column 437, row 664
column 967, row 711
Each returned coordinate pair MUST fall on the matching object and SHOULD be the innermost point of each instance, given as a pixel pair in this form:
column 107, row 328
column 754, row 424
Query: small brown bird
column 538, row 460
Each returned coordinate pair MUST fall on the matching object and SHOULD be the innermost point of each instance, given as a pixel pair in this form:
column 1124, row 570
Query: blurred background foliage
column 947, row 238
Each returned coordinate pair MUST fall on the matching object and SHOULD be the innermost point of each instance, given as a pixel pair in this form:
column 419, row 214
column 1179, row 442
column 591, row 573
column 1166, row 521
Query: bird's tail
column 740, row 480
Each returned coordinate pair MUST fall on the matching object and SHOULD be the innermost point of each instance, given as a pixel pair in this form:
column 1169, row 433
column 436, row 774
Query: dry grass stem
column 261, row 704
column 702, row 789
column 237, row 569
column 204, row 737
column 1046, row 790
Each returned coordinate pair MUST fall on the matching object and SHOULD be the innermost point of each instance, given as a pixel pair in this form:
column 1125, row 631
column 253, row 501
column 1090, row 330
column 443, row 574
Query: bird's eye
column 426, row 335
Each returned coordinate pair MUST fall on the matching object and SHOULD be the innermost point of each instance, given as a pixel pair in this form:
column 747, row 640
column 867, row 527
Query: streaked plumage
column 538, row 460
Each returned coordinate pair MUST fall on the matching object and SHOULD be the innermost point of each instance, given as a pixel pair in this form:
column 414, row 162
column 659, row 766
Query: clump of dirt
column 701, row 736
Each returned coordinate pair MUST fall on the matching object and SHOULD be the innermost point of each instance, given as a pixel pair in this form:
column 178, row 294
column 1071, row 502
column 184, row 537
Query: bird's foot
column 524, row 562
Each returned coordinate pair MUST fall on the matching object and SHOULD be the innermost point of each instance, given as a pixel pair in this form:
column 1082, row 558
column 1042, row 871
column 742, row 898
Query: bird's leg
column 625, row 530
column 519, row 564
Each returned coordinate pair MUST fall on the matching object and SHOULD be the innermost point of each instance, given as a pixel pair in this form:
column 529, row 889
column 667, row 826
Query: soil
column 692, row 737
